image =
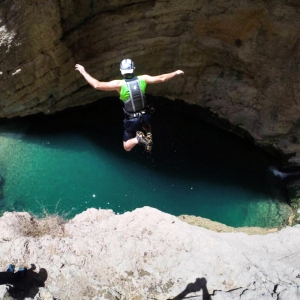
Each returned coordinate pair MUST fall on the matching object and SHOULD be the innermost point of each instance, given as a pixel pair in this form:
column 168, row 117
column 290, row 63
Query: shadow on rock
column 28, row 286
column 197, row 286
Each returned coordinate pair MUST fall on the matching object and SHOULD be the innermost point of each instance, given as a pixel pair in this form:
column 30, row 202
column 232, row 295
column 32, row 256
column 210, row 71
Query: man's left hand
column 80, row 68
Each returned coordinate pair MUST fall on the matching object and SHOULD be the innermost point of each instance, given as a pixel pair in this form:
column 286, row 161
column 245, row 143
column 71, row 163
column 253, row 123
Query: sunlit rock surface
column 148, row 254
column 241, row 58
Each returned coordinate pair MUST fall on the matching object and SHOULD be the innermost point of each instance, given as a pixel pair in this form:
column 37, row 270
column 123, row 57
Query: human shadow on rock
column 197, row 286
column 28, row 286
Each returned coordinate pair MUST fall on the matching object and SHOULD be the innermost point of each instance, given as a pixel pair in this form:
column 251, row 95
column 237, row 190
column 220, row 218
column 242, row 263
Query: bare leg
column 129, row 144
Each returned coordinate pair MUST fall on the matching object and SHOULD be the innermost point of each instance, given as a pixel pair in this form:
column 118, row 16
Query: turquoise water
column 74, row 160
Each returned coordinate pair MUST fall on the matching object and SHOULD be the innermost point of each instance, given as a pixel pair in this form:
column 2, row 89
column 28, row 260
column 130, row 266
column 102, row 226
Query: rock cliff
column 241, row 61
column 241, row 58
column 147, row 254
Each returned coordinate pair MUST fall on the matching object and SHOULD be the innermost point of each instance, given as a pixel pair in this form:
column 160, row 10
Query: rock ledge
column 148, row 254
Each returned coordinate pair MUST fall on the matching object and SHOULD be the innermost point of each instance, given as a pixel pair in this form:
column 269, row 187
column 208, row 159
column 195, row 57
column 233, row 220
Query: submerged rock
column 147, row 254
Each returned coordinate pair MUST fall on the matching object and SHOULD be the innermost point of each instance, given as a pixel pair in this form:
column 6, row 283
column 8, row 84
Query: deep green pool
column 74, row 160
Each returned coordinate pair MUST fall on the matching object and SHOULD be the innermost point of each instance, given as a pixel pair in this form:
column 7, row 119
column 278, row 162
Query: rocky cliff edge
column 147, row 254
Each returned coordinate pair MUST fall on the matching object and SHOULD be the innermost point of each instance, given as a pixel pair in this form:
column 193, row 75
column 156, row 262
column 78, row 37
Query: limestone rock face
column 147, row 254
column 241, row 58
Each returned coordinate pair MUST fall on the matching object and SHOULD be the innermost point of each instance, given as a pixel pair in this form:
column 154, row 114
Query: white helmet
column 126, row 66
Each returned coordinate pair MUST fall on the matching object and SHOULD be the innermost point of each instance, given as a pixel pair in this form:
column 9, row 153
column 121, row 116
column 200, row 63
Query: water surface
column 74, row 160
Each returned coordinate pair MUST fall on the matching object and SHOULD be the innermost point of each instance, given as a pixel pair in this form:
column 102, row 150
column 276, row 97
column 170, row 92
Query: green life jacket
column 132, row 94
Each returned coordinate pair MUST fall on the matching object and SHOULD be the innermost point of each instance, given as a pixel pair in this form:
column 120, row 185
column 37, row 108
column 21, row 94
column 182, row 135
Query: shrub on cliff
column 49, row 224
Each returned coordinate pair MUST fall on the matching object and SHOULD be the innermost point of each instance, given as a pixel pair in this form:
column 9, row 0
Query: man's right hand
column 179, row 72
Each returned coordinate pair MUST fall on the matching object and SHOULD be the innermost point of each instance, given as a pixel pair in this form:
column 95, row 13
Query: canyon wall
column 241, row 61
column 241, row 58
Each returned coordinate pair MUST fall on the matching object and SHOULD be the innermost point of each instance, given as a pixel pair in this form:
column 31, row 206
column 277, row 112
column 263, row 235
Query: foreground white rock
column 147, row 254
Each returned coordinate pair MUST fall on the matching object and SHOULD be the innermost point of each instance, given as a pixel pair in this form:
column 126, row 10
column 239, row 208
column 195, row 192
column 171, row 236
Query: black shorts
column 131, row 126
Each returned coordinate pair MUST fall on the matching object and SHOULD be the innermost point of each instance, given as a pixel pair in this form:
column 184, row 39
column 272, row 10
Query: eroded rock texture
column 147, row 254
column 241, row 58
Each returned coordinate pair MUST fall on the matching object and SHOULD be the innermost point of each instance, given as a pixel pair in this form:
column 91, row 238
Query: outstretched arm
column 113, row 85
column 162, row 78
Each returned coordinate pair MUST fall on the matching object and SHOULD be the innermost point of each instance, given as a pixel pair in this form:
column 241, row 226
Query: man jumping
column 132, row 94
